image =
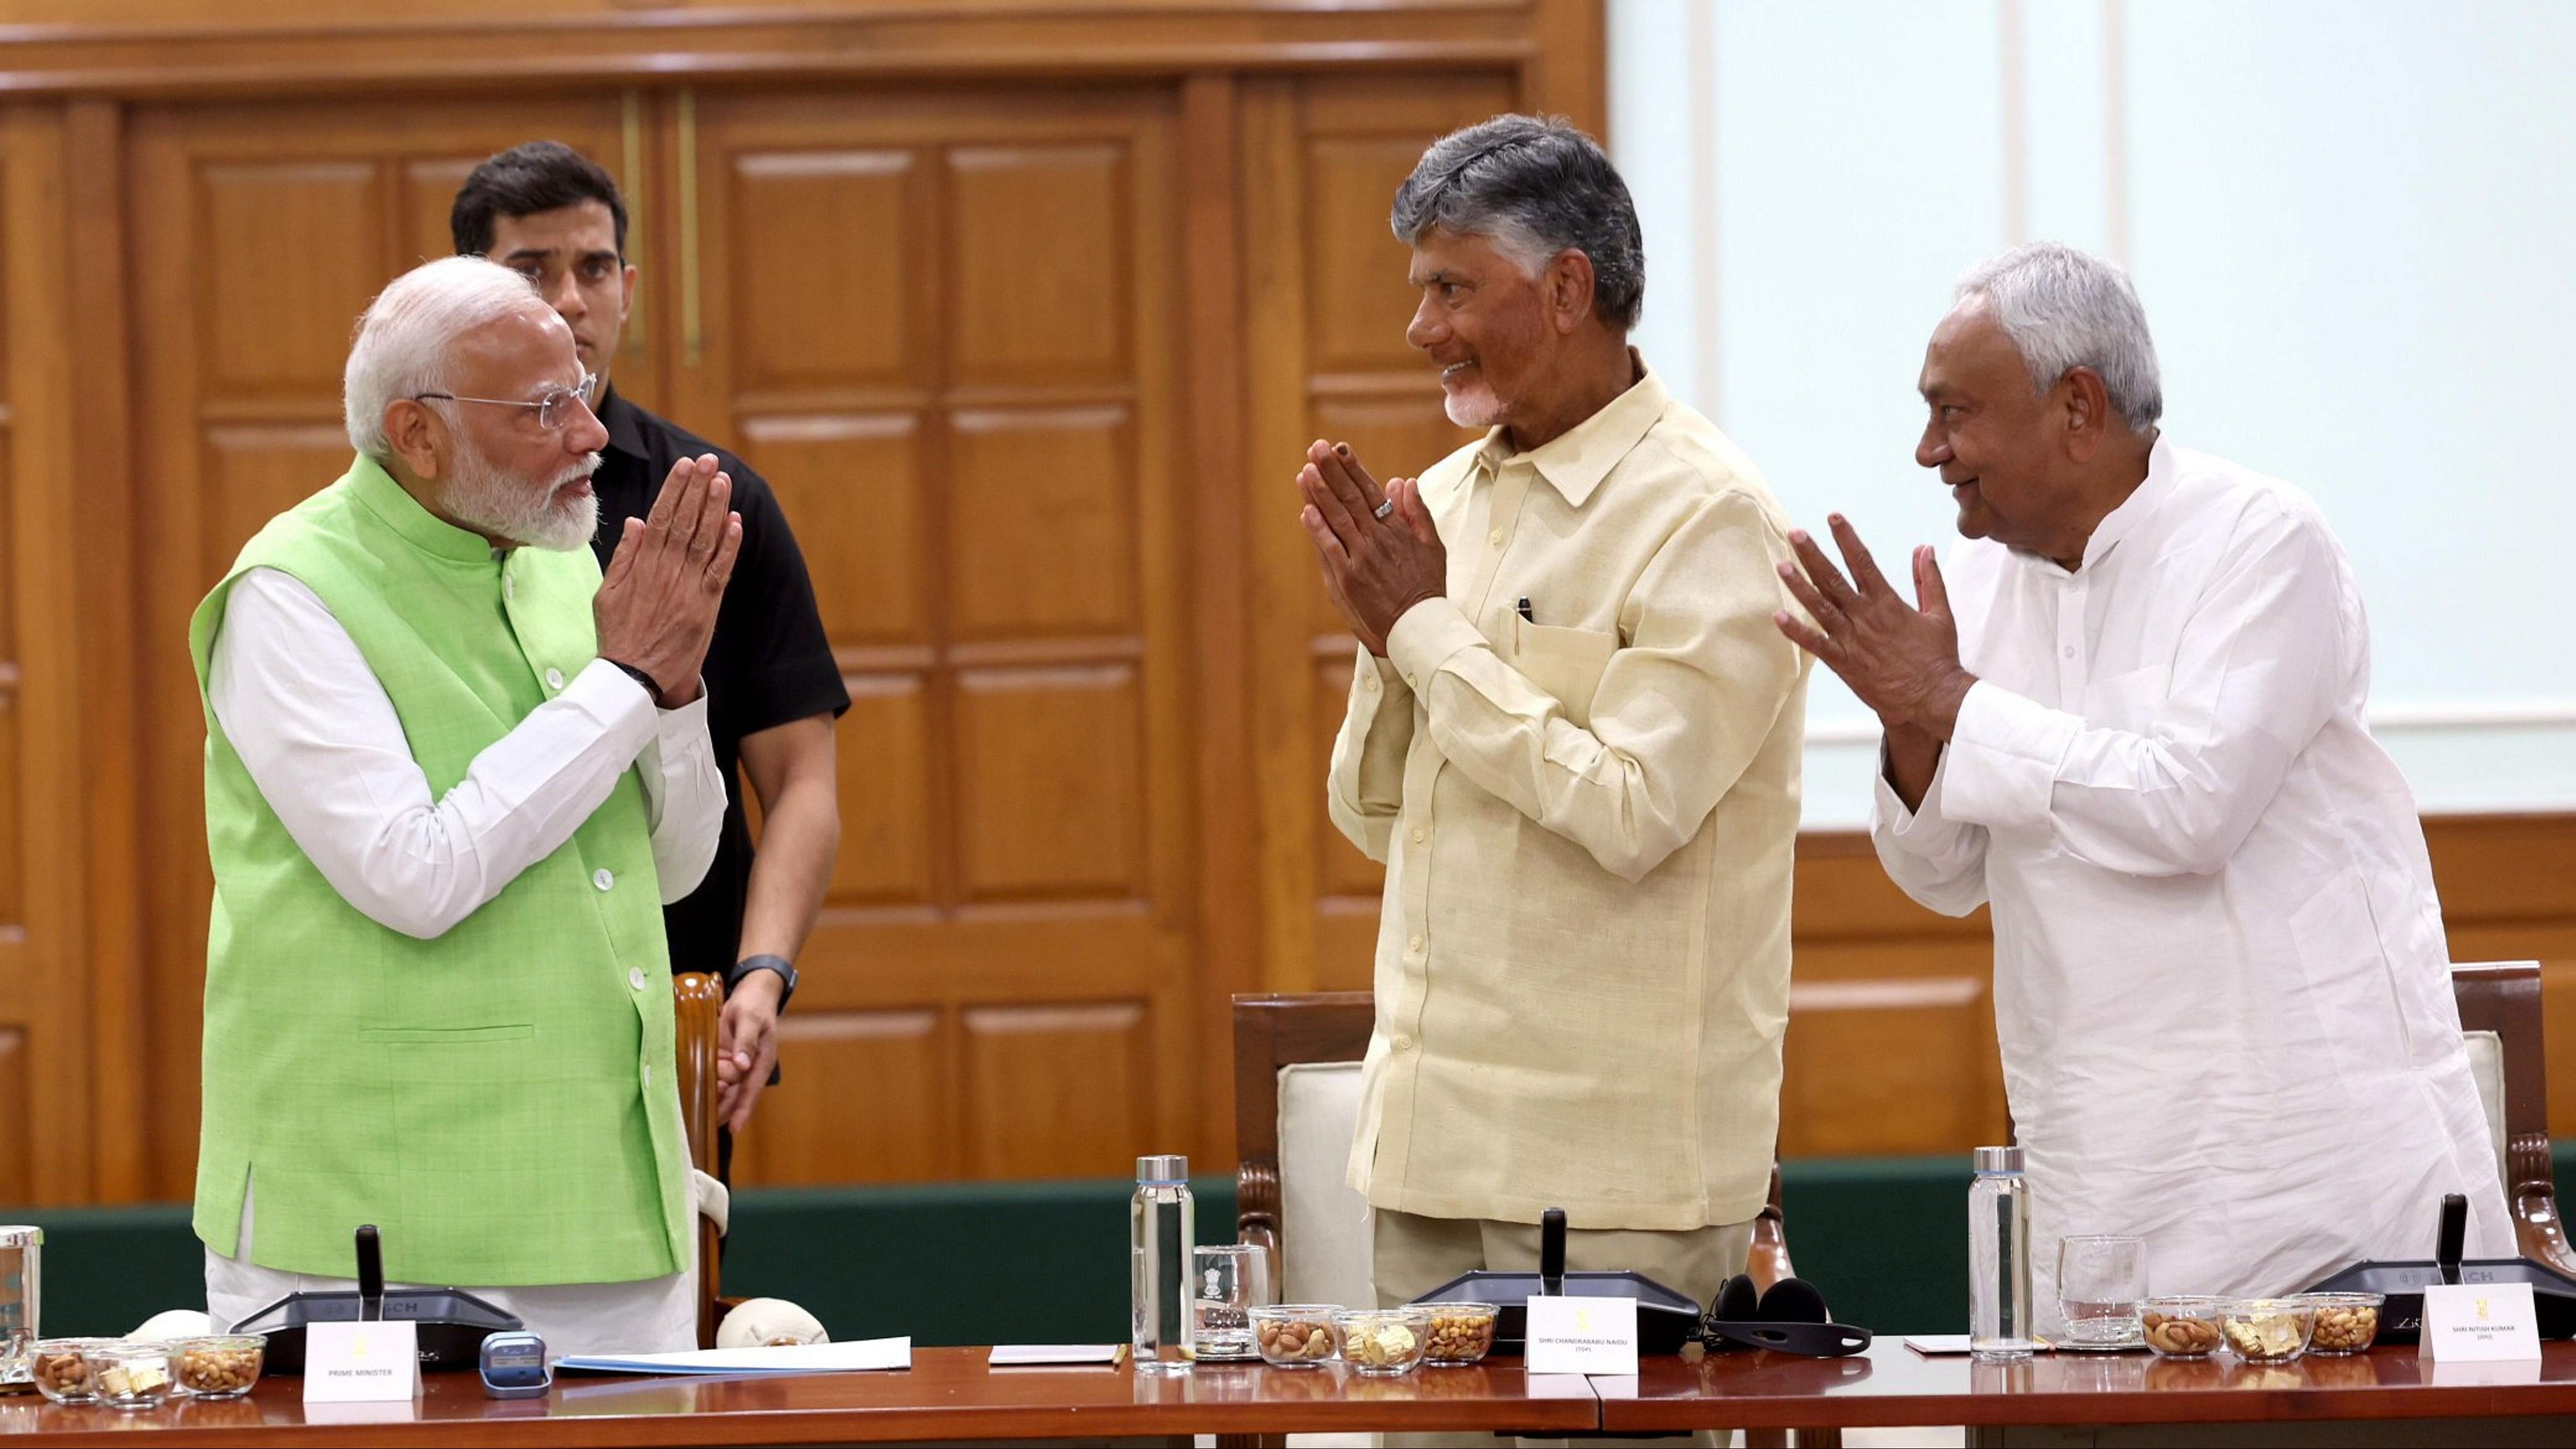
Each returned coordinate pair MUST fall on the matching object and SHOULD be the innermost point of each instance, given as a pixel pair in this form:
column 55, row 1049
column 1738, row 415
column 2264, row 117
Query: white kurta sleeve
column 1365, row 790
column 321, row 740
column 1938, row 861
column 2257, row 671
column 1678, row 715
column 684, row 796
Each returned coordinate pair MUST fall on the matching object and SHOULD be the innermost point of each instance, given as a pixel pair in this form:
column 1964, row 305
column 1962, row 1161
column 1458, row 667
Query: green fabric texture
column 499, row 1101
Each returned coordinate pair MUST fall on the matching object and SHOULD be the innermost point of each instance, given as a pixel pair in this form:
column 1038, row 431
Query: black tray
column 452, row 1324
column 2401, row 1318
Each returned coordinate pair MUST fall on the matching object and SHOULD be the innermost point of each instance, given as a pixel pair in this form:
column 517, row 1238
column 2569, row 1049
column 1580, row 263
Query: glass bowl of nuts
column 219, row 1366
column 1296, row 1335
column 1385, row 1340
column 60, row 1371
column 2267, row 1330
column 131, row 1373
column 2184, row 1327
column 1459, row 1333
column 2346, row 1322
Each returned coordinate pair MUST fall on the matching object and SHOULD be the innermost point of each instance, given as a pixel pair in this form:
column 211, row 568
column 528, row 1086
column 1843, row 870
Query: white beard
column 1473, row 406
column 484, row 498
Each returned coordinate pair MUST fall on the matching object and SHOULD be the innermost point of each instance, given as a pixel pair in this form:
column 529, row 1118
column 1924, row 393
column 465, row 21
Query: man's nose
column 585, row 433
column 1932, row 451
column 1427, row 329
column 567, row 300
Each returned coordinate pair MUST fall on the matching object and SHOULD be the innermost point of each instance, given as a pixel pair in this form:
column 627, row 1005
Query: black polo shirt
column 768, row 664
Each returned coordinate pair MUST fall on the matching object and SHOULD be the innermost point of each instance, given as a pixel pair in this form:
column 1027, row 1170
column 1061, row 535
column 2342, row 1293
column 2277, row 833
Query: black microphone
column 371, row 1275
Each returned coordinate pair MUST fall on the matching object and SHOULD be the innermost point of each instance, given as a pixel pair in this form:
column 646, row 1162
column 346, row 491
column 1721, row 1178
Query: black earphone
column 1789, row 1317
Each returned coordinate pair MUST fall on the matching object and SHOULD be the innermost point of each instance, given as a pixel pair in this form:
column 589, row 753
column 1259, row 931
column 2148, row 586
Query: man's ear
column 2085, row 409
column 415, row 433
column 1569, row 290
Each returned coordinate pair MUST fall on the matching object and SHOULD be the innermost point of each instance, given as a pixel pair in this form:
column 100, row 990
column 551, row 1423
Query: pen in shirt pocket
column 1524, row 607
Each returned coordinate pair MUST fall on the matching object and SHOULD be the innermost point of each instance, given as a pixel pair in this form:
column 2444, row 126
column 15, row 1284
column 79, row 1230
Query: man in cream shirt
column 2132, row 721
column 1573, row 738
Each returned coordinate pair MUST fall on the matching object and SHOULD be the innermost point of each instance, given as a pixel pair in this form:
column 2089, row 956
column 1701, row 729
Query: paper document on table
column 1056, row 1355
column 794, row 1358
column 1937, row 1344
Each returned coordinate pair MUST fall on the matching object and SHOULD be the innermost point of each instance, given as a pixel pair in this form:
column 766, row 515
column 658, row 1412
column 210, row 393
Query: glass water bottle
column 1999, row 1257
column 1159, row 1233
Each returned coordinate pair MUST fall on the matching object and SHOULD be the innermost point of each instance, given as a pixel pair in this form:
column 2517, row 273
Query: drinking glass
column 2099, row 1283
column 1228, row 1281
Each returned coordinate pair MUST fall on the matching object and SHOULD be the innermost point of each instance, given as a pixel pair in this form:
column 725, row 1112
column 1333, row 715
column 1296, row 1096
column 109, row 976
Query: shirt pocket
column 1567, row 663
column 2128, row 700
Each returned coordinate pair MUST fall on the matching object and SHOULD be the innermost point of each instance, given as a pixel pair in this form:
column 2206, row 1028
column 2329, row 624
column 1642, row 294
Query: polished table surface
column 1891, row 1384
column 950, row 1393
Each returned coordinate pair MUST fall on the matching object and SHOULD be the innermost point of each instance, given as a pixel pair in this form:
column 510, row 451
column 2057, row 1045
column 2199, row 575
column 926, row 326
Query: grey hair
column 405, row 335
column 2065, row 308
column 1534, row 186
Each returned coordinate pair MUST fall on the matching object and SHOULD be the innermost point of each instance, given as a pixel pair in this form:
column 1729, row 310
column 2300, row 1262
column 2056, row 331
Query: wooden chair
column 2504, row 998
column 698, row 1002
column 1272, row 1032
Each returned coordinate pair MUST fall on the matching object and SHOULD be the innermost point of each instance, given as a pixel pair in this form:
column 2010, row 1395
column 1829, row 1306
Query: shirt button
column 2070, row 651
column 554, row 680
column 635, row 977
column 1420, row 835
column 1403, row 1043
column 1414, row 945
column 1495, row 537
column 1368, row 682
column 602, row 878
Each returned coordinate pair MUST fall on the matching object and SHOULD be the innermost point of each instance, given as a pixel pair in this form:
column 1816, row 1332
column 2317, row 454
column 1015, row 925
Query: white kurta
column 2222, row 987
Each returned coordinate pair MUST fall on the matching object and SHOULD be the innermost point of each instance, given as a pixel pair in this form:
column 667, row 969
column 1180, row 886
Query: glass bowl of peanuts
column 220, row 1365
column 1297, row 1335
column 2182, row 1327
column 2346, row 1322
column 1459, row 1333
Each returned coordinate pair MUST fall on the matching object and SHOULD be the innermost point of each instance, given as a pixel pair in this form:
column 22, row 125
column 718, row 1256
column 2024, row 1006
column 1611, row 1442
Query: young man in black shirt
column 773, row 688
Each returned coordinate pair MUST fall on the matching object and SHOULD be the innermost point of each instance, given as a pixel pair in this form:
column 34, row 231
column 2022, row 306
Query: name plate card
column 2480, row 1323
column 1582, row 1336
column 362, row 1363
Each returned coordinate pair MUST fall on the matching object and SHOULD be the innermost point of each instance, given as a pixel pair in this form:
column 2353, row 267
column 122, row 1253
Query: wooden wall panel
column 975, row 436
column 882, row 1071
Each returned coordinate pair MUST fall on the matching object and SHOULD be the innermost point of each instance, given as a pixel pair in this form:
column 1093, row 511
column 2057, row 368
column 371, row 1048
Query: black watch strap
column 652, row 691
column 786, row 975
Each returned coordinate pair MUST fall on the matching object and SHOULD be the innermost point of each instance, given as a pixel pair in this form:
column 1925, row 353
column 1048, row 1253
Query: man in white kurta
column 2221, row 982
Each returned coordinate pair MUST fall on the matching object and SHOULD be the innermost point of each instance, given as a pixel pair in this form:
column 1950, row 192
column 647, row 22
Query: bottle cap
column 1163, row 1171
column 1992, row 1160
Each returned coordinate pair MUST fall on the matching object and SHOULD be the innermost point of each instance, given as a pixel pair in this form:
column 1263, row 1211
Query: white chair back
column 1324, row 1225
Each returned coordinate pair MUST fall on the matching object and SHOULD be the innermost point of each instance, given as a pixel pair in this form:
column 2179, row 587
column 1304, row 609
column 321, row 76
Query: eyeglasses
column 553, row 410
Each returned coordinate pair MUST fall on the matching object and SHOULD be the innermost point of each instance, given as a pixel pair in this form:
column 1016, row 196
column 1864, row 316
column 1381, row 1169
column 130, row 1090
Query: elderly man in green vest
column 452, row 774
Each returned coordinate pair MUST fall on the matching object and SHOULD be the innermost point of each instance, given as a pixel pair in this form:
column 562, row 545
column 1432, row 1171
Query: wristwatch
column 652, row 690
column 786, row 973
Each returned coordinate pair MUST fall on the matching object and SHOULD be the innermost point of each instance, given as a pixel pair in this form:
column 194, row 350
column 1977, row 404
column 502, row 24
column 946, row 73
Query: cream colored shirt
column 1587, row 816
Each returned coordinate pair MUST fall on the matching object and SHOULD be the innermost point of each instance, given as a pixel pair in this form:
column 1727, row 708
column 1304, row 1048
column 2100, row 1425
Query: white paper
column 794, row 1358
column 1037, row 1355
column 1937, row 1344
column 1582, row 1336
column 362, row 1363
column 2479, row 1323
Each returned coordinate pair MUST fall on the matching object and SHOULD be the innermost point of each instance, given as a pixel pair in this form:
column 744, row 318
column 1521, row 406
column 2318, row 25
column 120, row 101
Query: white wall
column 2353, row 223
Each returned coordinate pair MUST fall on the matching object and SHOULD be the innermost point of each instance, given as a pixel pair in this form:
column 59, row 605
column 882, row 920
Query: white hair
column 2063, row 309
column 405, row 335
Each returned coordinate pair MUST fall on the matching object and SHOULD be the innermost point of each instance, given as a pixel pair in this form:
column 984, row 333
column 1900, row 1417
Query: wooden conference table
column 950, row 1393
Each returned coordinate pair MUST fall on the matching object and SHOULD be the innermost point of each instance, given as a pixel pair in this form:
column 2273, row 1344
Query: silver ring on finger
column 1383, row 511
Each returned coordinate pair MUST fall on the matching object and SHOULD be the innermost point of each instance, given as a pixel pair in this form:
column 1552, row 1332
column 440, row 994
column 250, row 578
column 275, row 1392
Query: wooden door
column 1326, row 357
column 939, row 322
column 260, row 233
column 45, row 1006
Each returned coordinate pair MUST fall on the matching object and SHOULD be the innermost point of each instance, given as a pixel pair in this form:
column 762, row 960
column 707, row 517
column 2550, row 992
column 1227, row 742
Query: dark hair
column 1535, row 186
column 524, row 180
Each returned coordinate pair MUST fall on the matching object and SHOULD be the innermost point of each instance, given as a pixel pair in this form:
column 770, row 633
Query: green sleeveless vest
column 500, row 1100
